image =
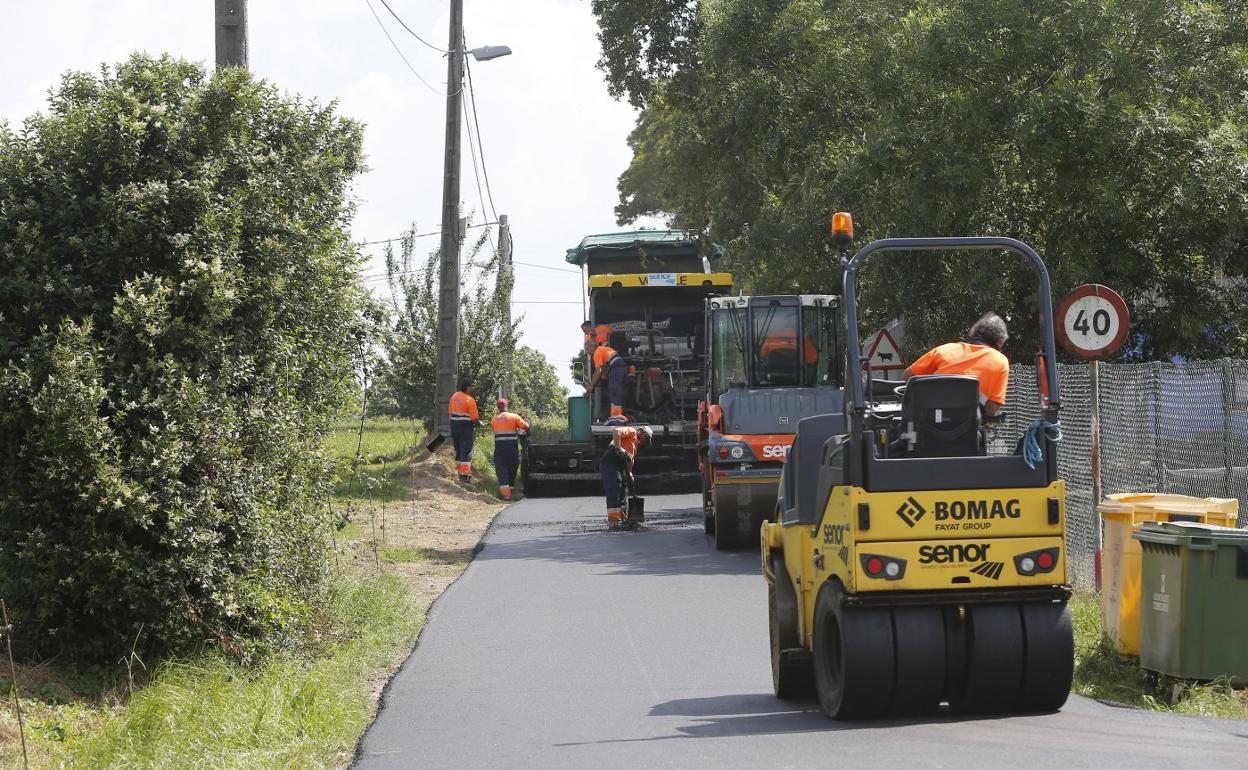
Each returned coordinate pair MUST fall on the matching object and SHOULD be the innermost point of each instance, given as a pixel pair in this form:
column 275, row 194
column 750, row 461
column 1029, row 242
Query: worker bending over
column 508, row 428
column 617, row 464
column 609, row 365
column 464, row 417
column 598, row 334
column 981, row 357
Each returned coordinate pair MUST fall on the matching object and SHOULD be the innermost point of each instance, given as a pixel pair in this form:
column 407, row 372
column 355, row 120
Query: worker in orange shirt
column 599, row 334
column 981, row 357
column 611, row 366
column 508, row 428
column 464, row 417
column 617, row 464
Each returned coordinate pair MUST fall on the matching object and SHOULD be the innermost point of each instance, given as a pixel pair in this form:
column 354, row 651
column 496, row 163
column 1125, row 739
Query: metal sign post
column 1092, row 324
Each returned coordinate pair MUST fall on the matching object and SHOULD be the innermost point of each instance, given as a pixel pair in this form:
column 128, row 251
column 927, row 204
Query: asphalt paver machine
column 908, row 568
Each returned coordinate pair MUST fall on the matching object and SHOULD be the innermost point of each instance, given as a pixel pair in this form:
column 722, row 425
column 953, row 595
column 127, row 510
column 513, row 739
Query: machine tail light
column 1036, row 562
column 883, row 567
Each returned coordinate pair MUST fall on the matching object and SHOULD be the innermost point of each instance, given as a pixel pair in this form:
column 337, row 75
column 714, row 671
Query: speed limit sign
column 1092, row 321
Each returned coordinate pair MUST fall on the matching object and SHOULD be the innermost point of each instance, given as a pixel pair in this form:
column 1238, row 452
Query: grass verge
column 291, row 711
column 301, row 709
column 1101, row 673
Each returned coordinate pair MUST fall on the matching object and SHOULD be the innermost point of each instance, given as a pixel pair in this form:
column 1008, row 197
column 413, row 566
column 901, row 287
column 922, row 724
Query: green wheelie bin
column 1194, row 593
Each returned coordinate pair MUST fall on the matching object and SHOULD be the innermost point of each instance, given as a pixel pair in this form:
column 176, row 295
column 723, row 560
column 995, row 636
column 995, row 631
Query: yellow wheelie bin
column 1121, row 555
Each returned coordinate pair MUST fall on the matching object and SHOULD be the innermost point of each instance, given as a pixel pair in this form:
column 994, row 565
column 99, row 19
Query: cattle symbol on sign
column 883, row 354
column 1092, row 321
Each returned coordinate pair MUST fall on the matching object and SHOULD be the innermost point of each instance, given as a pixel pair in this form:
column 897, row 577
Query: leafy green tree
column 411, row 349
column 179, row 303
column 1106, row 134
column 537, row 388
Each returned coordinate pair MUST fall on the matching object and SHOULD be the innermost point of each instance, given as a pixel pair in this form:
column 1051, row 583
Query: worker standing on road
column 980, row 357
column 618, row 460
column 613, row 367
column 464, row 417
column 598, row 334
column 508, row 428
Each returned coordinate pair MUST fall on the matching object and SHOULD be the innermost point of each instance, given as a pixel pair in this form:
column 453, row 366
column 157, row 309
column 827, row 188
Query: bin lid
column 1189, row 533
column 1218, row 508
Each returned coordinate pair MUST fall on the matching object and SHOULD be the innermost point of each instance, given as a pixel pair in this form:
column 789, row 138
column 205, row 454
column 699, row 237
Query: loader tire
column 708, row 506
column 920, row 644
column 792, row 675
column 727, row 528
column 853, row 657
column 994, row 660
column 1049, row 663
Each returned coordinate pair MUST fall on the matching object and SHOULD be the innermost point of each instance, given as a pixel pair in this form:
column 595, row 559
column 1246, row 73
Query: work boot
column 464, row 479
column 614, row 516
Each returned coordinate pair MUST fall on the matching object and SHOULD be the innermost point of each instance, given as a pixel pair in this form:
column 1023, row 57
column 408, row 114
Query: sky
column 553, row 139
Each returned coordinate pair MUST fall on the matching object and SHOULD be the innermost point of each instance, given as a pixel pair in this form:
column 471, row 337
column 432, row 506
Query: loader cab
column 766, row 342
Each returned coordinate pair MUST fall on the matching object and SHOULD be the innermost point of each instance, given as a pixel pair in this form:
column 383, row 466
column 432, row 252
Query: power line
column 409, row 29
column 423, row 235
column 398, row 50
column 472, row 96
column 542, row 302
column 546, row 267
column 472, row 152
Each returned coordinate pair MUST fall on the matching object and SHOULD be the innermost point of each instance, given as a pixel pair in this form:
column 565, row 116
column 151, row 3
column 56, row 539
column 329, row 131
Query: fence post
column 1228, row 398
column 1095, row 397
column 1158, row 456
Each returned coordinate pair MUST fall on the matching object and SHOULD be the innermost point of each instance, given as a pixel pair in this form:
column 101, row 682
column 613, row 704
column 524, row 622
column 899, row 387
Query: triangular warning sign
column 883, row 354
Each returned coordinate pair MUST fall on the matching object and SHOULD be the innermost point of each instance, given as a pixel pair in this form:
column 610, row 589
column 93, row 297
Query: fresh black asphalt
column 565, row 645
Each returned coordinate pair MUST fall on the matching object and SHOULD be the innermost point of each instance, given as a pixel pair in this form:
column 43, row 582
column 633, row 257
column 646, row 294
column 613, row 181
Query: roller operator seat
column 940, row 416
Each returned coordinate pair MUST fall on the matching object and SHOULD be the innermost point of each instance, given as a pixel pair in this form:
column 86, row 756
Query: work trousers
column 462, row 436
column 613, row 467
column 506, row 462
column 617, row 373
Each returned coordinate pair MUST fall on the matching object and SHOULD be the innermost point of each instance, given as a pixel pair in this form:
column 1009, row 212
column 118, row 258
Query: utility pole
column 231, row 33
column 448, row 294
column 505, row 273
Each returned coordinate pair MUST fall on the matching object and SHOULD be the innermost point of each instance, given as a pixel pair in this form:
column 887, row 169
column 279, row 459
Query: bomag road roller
column 907, row 567
column 773, row 360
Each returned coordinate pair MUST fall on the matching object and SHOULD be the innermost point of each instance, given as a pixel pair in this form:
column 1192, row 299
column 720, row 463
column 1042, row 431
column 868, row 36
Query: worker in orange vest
column 508, row 428
column 464, row 417
column 611, row 366
column 617, row 464
column 599, row 334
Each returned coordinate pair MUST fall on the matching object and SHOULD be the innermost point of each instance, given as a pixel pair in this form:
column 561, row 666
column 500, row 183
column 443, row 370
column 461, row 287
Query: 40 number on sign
column 1092, row 321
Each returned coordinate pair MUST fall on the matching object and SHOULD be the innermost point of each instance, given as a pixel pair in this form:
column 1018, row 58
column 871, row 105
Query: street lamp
column 448, row 285
column 487, row 52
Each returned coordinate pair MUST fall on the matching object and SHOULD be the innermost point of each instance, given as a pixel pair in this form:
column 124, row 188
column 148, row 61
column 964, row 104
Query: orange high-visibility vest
column 788, row 342
column 507, row 427
column 628, row 439
column 604, row 356
column 463, row 408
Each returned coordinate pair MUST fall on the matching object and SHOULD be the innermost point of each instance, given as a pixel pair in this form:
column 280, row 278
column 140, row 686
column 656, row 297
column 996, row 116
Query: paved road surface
column 564, row 645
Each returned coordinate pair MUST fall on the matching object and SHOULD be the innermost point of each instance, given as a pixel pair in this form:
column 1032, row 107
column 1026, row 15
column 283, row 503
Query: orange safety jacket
column 605, row 356
column 507, row 427
column 600, row 334
column 788, row 342
column 628, row 439
column 463, row 408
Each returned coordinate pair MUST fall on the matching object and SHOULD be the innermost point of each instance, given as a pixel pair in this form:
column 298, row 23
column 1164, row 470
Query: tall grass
column 292, row 711
column 1101, row 673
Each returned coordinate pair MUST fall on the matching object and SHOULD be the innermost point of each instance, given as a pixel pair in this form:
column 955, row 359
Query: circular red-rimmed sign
column 1092, row 321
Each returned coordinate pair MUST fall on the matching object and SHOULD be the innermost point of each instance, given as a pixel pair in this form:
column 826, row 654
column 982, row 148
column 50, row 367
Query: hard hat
column 646, row 429
column 501, row 403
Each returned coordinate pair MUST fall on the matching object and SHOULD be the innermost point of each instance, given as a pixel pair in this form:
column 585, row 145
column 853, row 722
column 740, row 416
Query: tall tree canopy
column 1109, row 135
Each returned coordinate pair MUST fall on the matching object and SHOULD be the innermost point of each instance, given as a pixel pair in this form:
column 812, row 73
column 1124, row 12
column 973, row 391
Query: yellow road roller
column 908, row 568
